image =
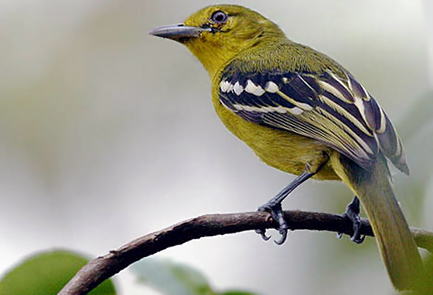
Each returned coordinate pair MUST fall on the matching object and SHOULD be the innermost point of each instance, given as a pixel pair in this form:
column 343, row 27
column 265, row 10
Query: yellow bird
column 303, row 113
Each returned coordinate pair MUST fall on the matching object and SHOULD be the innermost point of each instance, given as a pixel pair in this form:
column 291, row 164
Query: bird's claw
column 352, row 213
column 357, row 237
column 283, row 233
column 262, row 233
column 278, row 215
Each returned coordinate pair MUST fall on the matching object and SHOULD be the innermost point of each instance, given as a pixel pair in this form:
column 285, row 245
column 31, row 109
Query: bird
column 303, row 113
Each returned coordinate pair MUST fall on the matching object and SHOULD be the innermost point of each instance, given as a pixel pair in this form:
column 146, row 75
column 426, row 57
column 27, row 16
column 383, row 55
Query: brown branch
column 102, row 268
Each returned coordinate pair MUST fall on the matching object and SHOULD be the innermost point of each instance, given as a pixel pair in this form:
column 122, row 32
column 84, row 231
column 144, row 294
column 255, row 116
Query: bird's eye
column 219, row 17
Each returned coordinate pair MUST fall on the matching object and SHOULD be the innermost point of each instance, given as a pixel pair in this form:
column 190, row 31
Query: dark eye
column 219, row 17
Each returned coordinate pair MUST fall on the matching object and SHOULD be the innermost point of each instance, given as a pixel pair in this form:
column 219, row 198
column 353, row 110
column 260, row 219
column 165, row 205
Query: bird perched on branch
column 303, row 113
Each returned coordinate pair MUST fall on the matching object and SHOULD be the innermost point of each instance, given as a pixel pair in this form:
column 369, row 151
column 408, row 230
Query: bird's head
column 215, row 34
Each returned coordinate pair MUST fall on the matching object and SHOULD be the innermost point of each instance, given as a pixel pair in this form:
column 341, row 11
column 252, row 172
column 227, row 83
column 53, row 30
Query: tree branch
column 102, row 268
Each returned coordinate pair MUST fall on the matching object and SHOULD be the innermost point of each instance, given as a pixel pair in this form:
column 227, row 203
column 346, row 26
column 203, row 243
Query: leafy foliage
column 46, row 274
column 172, row 278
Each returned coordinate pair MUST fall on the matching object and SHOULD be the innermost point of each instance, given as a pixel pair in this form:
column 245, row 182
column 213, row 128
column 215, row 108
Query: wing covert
column 335, row 110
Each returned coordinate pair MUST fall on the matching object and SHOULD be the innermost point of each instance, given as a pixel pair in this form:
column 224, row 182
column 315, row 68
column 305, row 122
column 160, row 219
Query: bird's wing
column 335, row 110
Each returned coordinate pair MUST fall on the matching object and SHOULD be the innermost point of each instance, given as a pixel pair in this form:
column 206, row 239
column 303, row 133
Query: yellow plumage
column 271, row 145
column 303, row 113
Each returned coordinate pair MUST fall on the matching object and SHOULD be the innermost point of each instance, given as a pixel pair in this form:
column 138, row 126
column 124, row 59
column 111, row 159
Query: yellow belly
column 281, row 149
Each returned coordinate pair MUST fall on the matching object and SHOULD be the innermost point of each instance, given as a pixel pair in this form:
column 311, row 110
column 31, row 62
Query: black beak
column 178, row 32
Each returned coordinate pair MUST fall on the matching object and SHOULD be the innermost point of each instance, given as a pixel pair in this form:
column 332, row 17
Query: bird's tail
column 396, row 244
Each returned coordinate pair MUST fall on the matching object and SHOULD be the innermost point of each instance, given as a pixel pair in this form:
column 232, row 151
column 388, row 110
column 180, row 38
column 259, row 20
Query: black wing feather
column 334, row 110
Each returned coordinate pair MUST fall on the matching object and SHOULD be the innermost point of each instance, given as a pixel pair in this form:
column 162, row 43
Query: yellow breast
column 284, row 150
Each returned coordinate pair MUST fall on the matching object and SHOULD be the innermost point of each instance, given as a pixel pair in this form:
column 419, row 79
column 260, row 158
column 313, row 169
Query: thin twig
column 102, row 268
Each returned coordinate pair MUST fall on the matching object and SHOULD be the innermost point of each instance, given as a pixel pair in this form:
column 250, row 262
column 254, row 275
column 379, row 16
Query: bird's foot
column 278, row 215
column 352, row 212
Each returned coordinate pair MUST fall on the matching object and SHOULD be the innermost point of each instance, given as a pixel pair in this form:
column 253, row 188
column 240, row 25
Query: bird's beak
column 178, row 32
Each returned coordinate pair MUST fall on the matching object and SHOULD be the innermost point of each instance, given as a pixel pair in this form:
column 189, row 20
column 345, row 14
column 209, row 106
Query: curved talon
column 277, row 215
column 262, row 233
column 357, row 239
column 283, row 233
column 352, row 213
column 273, row 206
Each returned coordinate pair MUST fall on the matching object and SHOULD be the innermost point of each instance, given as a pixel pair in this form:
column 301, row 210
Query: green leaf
column 236, row 293
column 172, row 278
column 46, row 274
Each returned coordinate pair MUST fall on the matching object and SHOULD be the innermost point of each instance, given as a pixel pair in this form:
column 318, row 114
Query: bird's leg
column 352, row 212
column 274, row 206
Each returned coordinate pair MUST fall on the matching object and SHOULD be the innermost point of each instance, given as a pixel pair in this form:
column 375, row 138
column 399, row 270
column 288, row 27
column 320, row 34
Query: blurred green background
column 107, row 133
